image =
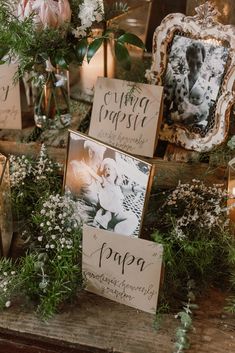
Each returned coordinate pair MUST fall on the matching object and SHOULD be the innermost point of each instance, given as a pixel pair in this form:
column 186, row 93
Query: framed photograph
column 111, row 185
column 194, row 59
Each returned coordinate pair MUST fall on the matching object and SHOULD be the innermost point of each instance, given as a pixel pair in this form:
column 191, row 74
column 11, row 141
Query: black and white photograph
column 194, row 74
column 112, row 185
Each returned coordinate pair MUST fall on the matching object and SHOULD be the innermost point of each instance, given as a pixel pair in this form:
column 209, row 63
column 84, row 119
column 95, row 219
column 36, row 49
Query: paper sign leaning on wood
column 10, row 108
column 124, row 269
column 126, row 115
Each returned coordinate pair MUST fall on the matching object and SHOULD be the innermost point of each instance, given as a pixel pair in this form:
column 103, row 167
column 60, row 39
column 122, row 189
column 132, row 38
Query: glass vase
column 52, row 101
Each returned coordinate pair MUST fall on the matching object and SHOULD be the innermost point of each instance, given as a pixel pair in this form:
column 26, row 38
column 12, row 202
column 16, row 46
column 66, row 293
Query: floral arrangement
column 49, row 270
column 45, row 37
column 190, row 221
column 192, row 224
column 41, row 34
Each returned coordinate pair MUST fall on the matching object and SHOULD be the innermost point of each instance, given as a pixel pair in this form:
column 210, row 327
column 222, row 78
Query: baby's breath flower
column 8, row 304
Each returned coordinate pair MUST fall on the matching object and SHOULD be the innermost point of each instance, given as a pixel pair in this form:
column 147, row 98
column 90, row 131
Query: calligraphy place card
column 124, row 269
column 126, row 115
column 10, row 108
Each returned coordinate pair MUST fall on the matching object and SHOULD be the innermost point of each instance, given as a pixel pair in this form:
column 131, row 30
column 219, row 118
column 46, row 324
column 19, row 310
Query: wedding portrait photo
column 111, row 184
column 192, row 82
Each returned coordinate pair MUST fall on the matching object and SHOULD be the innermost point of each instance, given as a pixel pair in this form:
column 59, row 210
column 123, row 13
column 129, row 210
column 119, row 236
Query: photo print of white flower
column 112, row 185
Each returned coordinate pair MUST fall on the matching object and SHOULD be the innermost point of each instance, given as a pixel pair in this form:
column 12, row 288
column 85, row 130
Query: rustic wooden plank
column 31, row 149
column 214, row 329
column 95, row 323
column 179, row 154
column 167, row 173
column 18, row 343
column 98, row 325
column 10, row 345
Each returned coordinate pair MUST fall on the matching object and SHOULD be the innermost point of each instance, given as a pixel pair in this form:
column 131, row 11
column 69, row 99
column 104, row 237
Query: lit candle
column 83, row 78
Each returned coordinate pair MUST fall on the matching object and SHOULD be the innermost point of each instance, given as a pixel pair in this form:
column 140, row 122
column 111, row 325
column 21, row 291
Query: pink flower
column 64, row 11
column 25, row 8
column 47, row 13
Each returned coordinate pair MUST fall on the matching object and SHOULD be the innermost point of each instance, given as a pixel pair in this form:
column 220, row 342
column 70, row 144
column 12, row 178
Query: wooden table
column 98, row 325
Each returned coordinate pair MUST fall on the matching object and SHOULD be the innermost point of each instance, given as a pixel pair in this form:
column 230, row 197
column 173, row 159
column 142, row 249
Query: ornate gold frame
column 202, row 26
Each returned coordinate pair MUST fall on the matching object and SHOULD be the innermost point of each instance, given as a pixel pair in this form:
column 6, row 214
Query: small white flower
column 40, row 238
column 8, row 304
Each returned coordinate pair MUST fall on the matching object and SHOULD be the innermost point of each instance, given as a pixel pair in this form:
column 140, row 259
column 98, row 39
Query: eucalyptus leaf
column 122, row 55
column 93, row 47
column 131, row 38
column 185, row 319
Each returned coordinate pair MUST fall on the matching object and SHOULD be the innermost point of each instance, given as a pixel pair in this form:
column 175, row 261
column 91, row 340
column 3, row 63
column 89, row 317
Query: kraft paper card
column 127, row 115
column 10, row 108
column 124, row 269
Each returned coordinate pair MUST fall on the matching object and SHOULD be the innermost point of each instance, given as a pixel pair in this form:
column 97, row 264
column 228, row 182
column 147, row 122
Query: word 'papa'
column 123, row 260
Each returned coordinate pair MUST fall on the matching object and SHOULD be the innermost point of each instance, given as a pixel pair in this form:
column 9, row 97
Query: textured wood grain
column 94, row 324
column 167, row 173
column 214, row 329
column 97, row 325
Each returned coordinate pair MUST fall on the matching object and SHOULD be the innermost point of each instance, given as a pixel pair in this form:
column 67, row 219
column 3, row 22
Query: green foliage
column 32, row 179
column 122, row 55
column 192, row 225
column 7, row 283
column 185, row 317
column 32, row 47
column 130, row 38
column 93, row 47
column 162, row 309
column 81, row 50
column 50, row 271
